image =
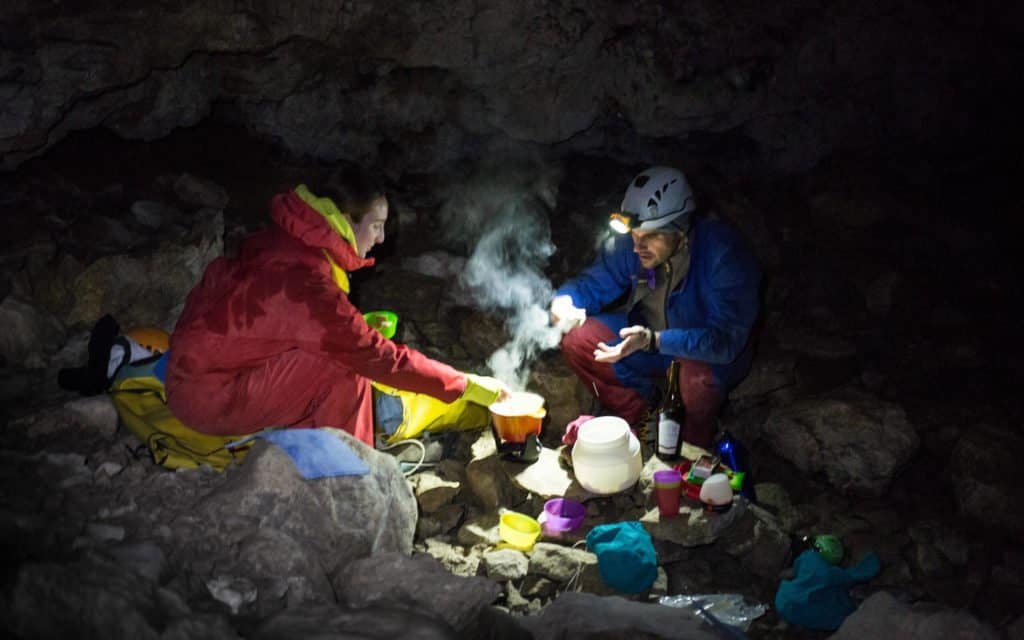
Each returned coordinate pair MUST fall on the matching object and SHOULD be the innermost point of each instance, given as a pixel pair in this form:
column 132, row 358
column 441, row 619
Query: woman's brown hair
column 353, row 189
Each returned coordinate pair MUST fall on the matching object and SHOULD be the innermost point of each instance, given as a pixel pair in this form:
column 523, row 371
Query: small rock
column 201, row 193
column 457, row 560
column 505, row 564
column 144, row 558
column 153, row 214
column 109, row 468
column 561, row 564
column 433, row 492
column 514, row 600
column 481, row 529
column 234, row 592
column 439, row 523
column 104, row 532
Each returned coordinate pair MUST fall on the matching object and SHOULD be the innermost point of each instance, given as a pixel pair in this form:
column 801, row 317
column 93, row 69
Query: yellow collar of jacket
column 337, row 221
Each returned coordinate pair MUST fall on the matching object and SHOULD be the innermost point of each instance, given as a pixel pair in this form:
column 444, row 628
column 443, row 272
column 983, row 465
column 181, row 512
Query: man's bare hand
column 565, row 315
column 634, row 339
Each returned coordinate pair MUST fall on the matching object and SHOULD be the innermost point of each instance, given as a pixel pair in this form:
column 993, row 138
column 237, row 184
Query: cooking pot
column 518, row 417
column 606, row 457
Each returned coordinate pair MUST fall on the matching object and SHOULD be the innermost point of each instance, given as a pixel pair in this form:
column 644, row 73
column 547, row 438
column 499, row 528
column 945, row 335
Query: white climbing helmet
column 658, row 197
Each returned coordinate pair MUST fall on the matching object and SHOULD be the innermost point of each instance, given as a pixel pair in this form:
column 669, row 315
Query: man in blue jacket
column 693, row 297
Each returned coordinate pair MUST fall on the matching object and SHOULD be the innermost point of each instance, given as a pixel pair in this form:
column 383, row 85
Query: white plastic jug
column 606, row 457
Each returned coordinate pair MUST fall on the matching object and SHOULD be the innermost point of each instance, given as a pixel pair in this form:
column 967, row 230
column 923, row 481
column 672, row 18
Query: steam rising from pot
column 502, row 217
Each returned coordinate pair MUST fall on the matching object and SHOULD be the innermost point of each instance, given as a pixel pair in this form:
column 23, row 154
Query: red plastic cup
column 667, row 490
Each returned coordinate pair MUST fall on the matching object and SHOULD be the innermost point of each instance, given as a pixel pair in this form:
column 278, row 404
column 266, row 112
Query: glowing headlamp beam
column 621, row 222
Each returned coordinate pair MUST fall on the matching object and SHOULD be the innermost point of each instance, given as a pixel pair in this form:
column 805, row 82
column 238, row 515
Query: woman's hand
column 634, row 339
column 485, row 390
column 503, row 392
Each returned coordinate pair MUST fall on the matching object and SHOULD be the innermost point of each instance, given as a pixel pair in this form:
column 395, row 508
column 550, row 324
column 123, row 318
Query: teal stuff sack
column 817, row 596
column 625, row 555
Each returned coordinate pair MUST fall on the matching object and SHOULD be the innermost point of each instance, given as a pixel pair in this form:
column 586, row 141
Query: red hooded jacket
column 269, row 338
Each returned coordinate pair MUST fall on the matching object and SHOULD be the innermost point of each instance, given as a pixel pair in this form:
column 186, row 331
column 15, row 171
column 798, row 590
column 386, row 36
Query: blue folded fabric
column 317, row 453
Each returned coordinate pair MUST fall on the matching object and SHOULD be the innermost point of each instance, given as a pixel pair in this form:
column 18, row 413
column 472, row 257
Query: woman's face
column 369, row 231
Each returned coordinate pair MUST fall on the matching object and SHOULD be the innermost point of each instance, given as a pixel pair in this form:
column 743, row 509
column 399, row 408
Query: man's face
column 369, row 231
column 655, row 247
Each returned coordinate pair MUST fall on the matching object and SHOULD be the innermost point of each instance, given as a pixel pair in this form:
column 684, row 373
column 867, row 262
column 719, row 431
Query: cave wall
column 418, row 86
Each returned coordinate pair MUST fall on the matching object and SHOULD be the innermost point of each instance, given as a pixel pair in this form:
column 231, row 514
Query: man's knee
column 579, row 343
column 698, row 386
column 697, row 376
column 572, row 340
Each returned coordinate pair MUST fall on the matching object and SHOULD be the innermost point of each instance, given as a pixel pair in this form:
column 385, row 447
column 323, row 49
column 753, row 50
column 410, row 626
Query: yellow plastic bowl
column 384, row 321
column 518, row 531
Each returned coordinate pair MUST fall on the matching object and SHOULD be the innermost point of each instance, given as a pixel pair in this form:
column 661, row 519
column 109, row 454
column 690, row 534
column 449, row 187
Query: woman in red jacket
column 270, row 338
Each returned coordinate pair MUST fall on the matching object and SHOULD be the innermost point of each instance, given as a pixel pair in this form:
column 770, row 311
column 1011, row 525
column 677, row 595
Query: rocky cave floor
column 894, row 282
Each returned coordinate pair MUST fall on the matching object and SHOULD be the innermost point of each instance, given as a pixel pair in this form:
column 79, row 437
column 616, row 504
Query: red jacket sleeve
column 337, row 329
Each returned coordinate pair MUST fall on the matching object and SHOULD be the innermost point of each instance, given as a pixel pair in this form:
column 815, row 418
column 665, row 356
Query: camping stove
column 526, row 451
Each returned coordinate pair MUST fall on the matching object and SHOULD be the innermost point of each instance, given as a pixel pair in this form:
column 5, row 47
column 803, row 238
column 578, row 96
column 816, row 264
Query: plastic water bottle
column 731, row 452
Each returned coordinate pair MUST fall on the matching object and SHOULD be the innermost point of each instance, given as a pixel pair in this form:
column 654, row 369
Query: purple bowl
column 562, row 515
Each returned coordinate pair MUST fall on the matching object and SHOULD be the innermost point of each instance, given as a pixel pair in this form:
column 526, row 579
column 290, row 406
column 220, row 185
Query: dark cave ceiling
column 421, row 86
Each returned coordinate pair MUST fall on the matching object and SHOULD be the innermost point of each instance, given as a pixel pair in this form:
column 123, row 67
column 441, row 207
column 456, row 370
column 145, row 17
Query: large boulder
column 419, row 583
column 986, row 488
column 859, row 442
column 287, row 535
column 148, row 287
column 102, row 597
column 883, row 616
column 30, row 334
column 576, row 616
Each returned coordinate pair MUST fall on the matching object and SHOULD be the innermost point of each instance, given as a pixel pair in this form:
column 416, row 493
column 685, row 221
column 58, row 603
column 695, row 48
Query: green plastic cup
column 384, row 321
column 830, row 547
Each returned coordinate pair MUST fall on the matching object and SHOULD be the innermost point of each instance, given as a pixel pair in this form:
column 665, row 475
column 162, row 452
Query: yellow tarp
column 142, row 407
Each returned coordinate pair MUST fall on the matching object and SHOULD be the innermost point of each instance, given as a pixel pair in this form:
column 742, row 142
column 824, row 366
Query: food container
column 716, row 492
column 521, row 415
column 561, row 515
column 606, row 457
column 518, row 531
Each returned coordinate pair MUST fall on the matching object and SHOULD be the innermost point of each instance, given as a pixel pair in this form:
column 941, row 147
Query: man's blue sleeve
column 731, row 291
column 606, row 279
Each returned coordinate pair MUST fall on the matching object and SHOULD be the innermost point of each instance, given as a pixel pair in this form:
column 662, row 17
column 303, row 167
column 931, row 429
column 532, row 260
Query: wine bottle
column 671, row 416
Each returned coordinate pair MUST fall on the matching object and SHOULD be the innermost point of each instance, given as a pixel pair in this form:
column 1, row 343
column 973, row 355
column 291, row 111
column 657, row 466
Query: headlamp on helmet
column 622, row 222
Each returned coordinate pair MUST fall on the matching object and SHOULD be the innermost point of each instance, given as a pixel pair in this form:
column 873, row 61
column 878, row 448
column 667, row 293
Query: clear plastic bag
column 726, row 608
